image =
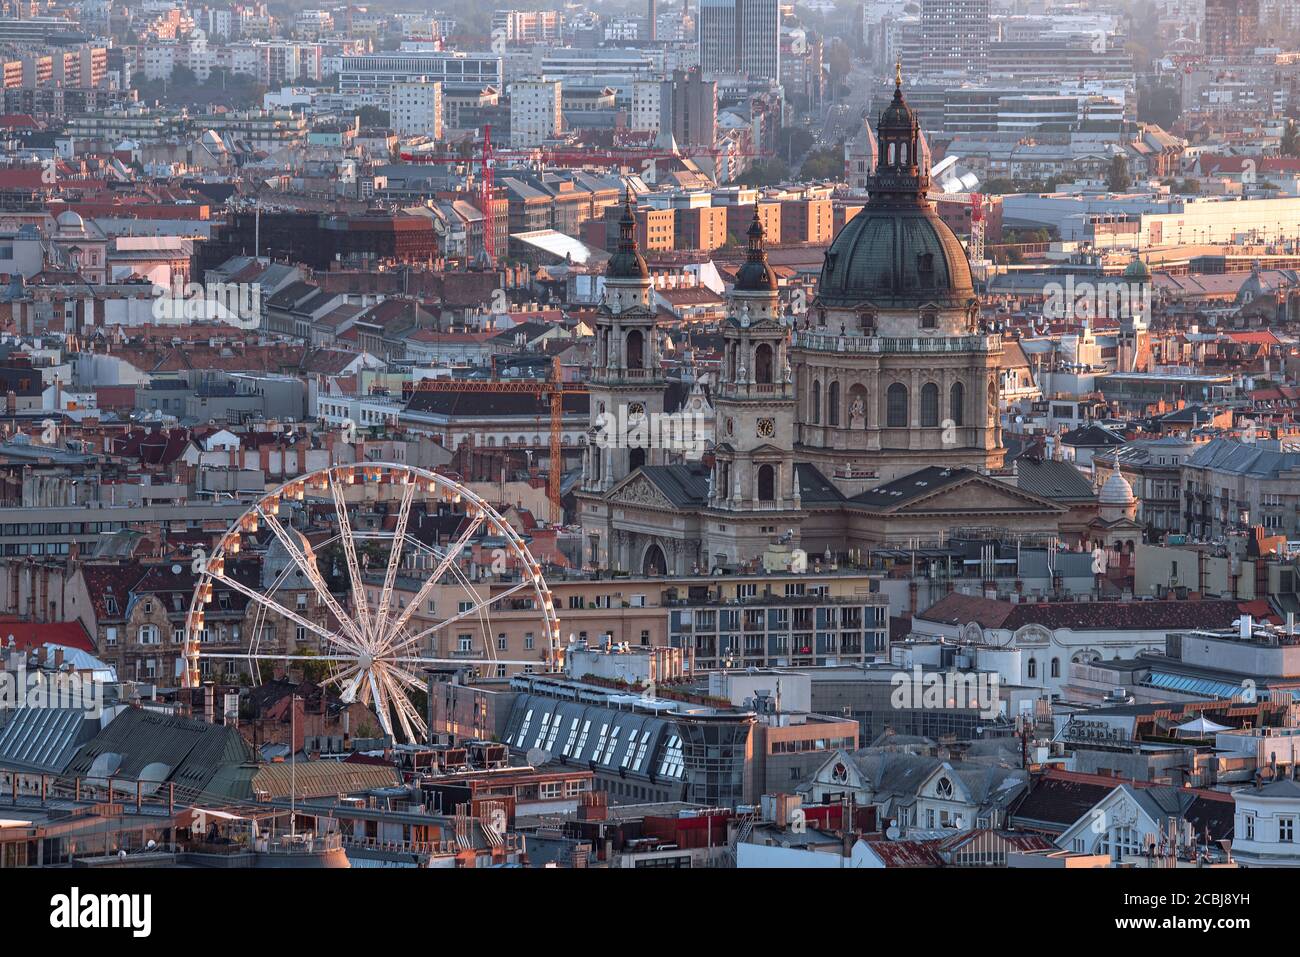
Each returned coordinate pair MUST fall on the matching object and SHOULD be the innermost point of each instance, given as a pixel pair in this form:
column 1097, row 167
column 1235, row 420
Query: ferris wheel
column 375, row 639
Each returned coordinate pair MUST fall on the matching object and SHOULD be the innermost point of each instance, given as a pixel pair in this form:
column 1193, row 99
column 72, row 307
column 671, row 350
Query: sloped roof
column 1048, row 478
column 194, row 750
column 43, row 740
column 683, row 485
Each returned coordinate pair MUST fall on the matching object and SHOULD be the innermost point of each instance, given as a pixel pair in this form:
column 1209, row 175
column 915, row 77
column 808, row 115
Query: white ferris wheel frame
column 375, row 655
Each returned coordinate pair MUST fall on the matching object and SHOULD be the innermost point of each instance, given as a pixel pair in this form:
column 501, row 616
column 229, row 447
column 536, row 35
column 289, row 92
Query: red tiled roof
column 33, row 634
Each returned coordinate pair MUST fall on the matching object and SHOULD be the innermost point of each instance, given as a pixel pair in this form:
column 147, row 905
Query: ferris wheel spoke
column 380, row 703
column 438, row 572
column 491, row 599
column 350, row 553
column 334, row 638
column 308, row 566
column 394, row 555
column 406, row 711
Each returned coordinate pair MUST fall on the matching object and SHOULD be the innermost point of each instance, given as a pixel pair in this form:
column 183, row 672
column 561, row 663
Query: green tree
column 1290, row 139
column 765, row 173
column 823, row 164
column 1117, row 177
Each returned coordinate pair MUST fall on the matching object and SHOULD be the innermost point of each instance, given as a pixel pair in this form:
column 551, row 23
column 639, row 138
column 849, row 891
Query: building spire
column 898, row 74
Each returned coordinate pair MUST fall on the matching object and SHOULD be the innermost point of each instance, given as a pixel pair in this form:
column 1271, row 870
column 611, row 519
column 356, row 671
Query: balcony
column 820, row 342
column 616, row 376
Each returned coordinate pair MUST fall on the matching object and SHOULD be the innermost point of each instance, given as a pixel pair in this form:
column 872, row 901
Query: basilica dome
column 896, row 259
column 897, row 253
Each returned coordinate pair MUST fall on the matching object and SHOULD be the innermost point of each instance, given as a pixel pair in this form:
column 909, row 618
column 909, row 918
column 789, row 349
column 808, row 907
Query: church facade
column 873, row 420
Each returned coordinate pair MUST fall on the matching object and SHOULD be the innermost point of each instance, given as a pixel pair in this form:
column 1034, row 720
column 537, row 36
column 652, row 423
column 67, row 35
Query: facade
column 740, row 37
column 1264, row 829
column 535, row 111
column 955, row 35
column 1230, row 485
column 416, row 109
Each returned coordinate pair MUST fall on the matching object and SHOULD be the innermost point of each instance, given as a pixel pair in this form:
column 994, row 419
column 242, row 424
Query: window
column 929, row 405
column 1250, row 826
column 956, row 402
column 1285, row 830
column 896, row 406
column 528, row 641
column 1056, row 667
column 833, row 404
column 1032, row 668
column 816, row 411
column 110, row 636
column 149, row 635
column 766, row 483
column 501, row 643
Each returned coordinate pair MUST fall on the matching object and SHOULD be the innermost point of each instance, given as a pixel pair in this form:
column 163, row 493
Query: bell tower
column 753, row 480
column 626, row 388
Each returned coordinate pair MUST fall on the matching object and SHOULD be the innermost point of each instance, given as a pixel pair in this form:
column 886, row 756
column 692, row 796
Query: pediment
column 639, row 492
column 978, row 493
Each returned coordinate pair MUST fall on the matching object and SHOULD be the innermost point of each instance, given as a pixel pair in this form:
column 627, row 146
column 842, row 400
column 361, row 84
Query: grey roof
column 194, row 751
column 814, row 487
column 910, row 486
column 683, row 485
column 1051, row 479
column 1226, row 455
column 557, row 726
column 1092, row 436
column 43, row 739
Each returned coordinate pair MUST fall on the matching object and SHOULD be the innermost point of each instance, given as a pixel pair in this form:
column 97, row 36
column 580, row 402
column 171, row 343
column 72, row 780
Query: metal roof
column 43, row 739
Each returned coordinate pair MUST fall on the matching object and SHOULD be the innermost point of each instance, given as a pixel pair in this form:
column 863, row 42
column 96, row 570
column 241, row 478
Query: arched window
column 766, row 483
column 634, row 349
column 763, row 364
column 635, row 459
column 1032, row 668
column 956, row 402
column 896, row 406
column 1056, row 667
column 148, row 634
column 833, row 404
column 817, row 403
column 929, row 405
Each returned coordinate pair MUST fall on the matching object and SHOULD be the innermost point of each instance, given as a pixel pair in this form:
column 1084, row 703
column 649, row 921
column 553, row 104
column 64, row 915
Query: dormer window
column 930, row 318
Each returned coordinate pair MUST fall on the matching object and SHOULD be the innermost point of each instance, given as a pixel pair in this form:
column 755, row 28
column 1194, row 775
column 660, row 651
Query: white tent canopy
column 1200, row 727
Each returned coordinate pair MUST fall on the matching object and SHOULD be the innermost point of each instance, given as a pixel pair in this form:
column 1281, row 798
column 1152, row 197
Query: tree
column 765, row 173
column 1117, row 178
column 1290, row 139
column 373, row 116
column 823, row 164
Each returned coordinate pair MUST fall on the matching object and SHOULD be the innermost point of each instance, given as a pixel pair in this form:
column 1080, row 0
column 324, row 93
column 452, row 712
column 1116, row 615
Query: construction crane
column 644, row 161
column 975, row 247
column 554, row 388
column 486, row 159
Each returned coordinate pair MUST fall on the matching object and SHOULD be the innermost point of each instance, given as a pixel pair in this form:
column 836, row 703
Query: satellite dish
column 538, row 757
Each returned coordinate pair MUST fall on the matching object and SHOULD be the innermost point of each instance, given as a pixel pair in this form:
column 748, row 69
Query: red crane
column 486, row 159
